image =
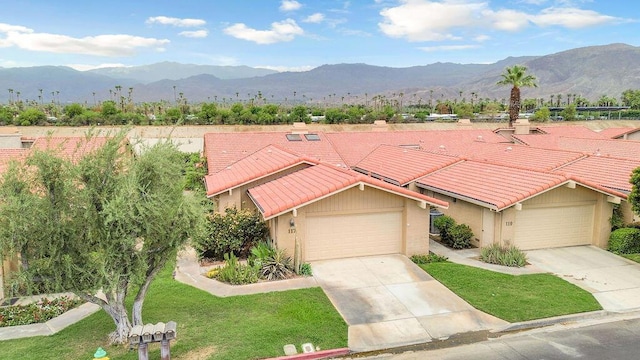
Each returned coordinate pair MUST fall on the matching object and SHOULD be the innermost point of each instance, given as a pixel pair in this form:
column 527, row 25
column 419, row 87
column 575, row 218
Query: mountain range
column 590, row 72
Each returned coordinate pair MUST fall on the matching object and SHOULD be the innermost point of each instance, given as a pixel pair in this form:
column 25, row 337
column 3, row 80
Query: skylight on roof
column 294, row 137
column 312, row 137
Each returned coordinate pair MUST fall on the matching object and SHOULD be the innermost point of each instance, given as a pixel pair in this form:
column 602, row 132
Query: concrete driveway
column 613, row 280
column 388, row 301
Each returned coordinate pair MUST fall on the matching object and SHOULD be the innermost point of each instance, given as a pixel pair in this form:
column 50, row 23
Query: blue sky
column 303, row 34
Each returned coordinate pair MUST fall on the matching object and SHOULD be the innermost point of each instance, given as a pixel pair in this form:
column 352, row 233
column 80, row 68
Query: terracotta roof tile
column 313, row 183
column 222, row 149
column 72, row 147
column 494, row 185
column 355, row 146
column 571, row 131
column 520, row 156
column 624, row 149
column 6, row 155
column 609, row 172
column 261, row 163
column 612, row 133
column 401, row 165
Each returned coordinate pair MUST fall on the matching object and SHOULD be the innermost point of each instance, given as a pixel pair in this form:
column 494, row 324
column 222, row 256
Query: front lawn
column 513, row 298
column 240, row 327
column 632, row 257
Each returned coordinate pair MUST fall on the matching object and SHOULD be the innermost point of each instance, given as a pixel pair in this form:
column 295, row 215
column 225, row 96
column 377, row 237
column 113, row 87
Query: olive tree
column 101, row 227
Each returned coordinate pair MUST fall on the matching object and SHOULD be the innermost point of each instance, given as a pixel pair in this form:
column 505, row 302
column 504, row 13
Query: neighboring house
column 319, row 210
column 314, row 193
column 527, row 208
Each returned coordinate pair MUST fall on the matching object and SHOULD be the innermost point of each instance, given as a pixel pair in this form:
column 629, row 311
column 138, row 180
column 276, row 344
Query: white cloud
column 430, row 20
column 101, row 45
column 289, row 5
column 314, row 18
column 481, row 38
column 194, row 34
column 287, row 68
column 85, row 67
column 420, row 20
column 165, row 20
column 571, row 18
column 447, row 48
column 281, row 31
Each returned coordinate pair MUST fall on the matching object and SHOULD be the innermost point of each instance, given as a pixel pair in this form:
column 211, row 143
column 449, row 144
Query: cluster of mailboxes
column 143, row 334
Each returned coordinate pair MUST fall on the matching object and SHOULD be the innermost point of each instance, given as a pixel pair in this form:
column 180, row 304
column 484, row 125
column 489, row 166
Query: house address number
column 508, row 223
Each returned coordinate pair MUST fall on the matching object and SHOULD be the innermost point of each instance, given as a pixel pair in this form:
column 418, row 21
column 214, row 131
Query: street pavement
column 598, row 340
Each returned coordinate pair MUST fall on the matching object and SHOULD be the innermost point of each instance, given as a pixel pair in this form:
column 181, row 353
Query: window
column 294, row 137
column 312, row 137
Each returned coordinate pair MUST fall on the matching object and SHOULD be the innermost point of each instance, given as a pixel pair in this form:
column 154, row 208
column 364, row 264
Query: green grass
column 513, row 298
column 240, row 327
column 632, row 257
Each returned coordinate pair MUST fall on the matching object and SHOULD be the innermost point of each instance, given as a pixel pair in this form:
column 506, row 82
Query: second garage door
column 554, row 227
column 331, row 237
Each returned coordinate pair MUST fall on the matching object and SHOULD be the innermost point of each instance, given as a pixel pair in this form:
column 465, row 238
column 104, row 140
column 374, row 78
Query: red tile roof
column 494, row 186
column 6, row 155
column 72, row 147
column 520, row 156
column 613, row 133
column 222, row 149
column 355, row 146
column 624, row 149
column 609, row 172
column 571, row 131
column 401, row 165
column 316, row 182
column 268, row 160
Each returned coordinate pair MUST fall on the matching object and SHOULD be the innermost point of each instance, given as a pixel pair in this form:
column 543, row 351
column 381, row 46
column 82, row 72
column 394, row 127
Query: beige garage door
column 554, row 227
column 331, row 237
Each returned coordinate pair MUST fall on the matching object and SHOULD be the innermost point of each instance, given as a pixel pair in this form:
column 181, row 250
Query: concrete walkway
column 613, row 280
column 388, row 301
column 188, row 271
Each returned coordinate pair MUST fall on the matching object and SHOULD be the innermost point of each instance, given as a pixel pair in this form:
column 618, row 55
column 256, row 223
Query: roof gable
column 315, row 183
column 493, row 186
column 609, row 172
column 401, row 166
column 266, row 161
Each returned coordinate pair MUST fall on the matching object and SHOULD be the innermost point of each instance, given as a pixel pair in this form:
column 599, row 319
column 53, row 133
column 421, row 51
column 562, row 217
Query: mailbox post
column 160, row 332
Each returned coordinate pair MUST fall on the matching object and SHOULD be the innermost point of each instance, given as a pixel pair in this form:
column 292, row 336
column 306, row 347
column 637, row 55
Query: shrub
column 617, row 218
column 453, row 235
column 260, row 253
column 235, row 273
column 422, row 259
column 460, row 236
column 506, row 255
column 444, row 223
column 234, row 232
column 276, row 267
column 39, row 312
column 624, row 241
column 305, row 270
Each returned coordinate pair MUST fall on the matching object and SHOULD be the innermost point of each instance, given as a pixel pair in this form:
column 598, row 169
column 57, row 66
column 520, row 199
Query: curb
column 538, row 323
column 324, row 354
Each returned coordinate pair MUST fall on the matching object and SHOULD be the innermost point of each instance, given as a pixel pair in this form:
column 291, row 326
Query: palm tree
column 516, row 77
